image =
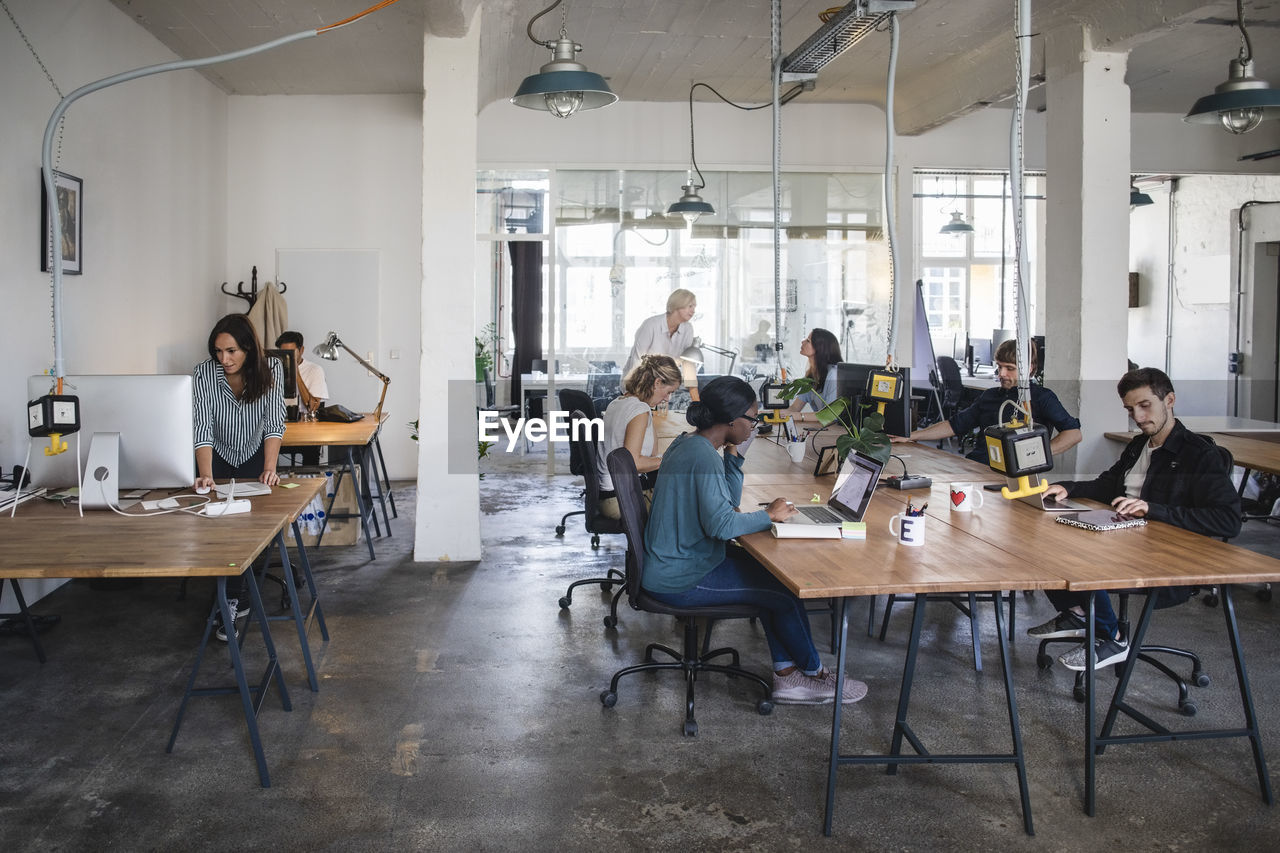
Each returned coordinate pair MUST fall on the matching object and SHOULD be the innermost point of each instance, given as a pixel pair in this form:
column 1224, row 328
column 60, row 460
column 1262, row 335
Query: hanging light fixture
column 1243, row 101
column 691, row 205
column 1137, row 198
column 957, row 225
column 563, row 86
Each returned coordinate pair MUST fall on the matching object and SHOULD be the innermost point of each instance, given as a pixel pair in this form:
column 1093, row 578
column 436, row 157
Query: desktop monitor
column 288, row 361
column 981, row 351
column 704, row 378
column 851, row 384
column 152, row 415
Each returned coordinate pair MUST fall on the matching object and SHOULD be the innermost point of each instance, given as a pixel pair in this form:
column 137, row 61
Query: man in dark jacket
column 1169, row 474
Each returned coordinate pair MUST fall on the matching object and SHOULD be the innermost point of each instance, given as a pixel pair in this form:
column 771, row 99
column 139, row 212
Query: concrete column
column 447, row 526
column 1087, row 251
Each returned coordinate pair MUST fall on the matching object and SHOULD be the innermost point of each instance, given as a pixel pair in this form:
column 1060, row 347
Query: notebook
column 1101, row 519
column 848, row 502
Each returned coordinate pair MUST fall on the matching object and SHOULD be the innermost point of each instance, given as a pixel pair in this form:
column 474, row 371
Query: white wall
column 330, row 172
column 152, row 158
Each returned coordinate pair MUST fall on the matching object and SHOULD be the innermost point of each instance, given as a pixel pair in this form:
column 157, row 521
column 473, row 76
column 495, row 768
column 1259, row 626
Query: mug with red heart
column 965, row 497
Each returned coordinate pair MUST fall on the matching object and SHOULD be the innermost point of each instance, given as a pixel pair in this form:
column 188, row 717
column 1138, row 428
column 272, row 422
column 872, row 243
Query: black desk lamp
column 328, row 350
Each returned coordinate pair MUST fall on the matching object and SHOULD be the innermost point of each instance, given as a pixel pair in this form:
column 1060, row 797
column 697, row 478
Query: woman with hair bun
column 628, row 422
column 693, row 517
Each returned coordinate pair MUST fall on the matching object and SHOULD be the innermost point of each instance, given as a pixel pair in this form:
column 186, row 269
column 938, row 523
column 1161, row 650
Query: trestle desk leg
column 1246, row 694
column 1014, row 725
column 842, row 649
column 296, row 607
column 310, row 581
column 361, row 506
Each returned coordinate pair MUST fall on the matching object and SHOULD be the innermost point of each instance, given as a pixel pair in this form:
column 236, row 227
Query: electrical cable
column 890, row 195
column 1022, row 52
column 775, row 43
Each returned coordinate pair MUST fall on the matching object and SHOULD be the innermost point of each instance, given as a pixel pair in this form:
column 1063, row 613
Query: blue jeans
column 741, row 580
column 1104, row 616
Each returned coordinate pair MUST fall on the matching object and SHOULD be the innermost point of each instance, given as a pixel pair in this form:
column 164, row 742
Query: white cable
column 890, row 195
column 26, row 473
column 1022, row 43
column 775, row 40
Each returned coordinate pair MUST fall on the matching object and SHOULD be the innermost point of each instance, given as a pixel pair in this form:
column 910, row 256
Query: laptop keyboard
column 820, row 514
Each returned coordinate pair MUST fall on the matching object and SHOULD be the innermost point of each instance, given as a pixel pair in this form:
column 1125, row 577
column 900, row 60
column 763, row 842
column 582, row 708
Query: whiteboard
column 337, row 290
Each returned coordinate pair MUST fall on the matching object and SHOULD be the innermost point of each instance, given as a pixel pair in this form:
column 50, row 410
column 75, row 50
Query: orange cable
column 357, row 16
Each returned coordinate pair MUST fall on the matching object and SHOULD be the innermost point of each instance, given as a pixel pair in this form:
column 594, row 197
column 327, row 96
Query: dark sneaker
column 1065, row 624
column 234, row 605
column 1107, row 653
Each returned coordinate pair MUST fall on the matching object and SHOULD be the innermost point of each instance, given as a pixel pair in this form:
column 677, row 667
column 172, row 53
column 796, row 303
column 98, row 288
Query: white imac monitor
column 152, row 415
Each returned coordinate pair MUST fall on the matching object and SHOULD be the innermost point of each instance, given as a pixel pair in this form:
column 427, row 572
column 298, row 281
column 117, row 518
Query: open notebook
column 1100, row 519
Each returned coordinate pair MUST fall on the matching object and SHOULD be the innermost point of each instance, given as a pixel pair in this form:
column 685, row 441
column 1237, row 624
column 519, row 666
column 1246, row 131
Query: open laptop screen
column 855, row 484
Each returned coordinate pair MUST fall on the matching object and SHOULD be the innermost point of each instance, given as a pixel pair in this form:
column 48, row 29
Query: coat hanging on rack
column 269, row 315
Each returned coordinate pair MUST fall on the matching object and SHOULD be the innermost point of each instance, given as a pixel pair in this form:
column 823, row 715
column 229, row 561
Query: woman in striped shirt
column 239, row 408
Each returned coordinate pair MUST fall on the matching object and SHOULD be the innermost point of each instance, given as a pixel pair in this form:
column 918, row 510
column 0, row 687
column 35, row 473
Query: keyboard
column 820, row 514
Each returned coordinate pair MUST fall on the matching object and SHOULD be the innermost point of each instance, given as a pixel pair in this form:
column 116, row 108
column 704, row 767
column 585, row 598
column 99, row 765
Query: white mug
column 965, row 497
column 796, row 449
column 910, row 529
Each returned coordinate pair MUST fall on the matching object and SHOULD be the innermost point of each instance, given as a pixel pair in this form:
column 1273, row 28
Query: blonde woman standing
column 628, row 422
column 665, row 334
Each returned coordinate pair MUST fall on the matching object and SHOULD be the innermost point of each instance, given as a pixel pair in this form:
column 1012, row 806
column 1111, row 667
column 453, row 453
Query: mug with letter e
column 910, row 528
column 965, row 497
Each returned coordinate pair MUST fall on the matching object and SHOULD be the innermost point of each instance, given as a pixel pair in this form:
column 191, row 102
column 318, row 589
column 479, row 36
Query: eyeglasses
column 756, row 420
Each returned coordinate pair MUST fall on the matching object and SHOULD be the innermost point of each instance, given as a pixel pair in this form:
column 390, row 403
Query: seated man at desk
column 1169, row 474
column 312, row 392
column 1046, row 409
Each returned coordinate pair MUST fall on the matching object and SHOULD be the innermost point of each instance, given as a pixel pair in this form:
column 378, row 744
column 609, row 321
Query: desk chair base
column 691, row 663
column 606, row 585
column 561, row 527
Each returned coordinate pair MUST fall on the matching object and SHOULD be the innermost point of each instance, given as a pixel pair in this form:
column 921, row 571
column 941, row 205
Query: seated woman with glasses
column 628, row 422
column 689, row 560
column 823, row 351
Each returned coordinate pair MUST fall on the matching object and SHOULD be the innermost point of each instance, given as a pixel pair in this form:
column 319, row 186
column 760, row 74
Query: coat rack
column 250, row 295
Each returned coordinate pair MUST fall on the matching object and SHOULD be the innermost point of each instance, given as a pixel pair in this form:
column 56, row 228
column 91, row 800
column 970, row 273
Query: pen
column 789, row 503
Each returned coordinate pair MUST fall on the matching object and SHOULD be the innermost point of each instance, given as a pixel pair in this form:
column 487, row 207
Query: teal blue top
column 693, row 514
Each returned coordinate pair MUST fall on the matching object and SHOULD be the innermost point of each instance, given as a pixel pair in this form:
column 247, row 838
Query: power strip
column 908, row 482
column 234, row 507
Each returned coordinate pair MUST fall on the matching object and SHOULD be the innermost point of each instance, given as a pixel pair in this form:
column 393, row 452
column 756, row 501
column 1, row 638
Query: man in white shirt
column 312, row 389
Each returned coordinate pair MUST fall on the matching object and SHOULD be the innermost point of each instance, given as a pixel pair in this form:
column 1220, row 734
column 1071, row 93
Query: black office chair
column 952, row 390
column 491, row 398
column 573, row 400
column 603, row 388
column 626, row 482
column 596, row 522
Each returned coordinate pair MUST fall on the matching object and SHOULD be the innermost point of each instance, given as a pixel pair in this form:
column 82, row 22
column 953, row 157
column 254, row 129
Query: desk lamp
column 328, row 350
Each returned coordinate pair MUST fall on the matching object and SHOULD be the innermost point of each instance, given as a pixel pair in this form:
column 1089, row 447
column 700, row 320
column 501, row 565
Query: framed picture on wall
column 70, row 193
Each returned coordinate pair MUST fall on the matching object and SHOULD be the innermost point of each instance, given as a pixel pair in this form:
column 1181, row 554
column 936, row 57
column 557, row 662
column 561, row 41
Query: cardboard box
column 341, row 531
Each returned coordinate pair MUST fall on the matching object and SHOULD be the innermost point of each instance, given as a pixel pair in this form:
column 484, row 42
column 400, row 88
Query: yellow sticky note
column 853, row 530
column 815, row 499
column 288, row 485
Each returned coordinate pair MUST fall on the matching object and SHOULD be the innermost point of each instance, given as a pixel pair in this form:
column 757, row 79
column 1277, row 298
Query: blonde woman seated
column 628, row 422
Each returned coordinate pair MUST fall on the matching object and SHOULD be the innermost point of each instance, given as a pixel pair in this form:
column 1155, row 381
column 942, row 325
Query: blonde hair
column 651, row 370
column 680, row 298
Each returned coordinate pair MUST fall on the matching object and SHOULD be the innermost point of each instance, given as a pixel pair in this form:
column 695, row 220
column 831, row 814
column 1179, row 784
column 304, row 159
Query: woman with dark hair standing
column 823, row 351
column 694, row 516
column 238, row 415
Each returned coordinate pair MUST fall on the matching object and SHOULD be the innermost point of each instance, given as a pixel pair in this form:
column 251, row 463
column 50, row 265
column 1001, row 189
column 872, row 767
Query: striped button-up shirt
column 235, row 429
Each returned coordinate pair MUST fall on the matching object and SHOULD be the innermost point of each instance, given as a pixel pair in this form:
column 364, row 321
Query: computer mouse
column 202, row 490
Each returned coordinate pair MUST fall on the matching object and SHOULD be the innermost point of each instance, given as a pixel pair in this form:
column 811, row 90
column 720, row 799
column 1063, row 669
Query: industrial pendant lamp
column 957, row 225
column 1244, row 101
column 691, row 205
column 1137, row 198
column 563, row 86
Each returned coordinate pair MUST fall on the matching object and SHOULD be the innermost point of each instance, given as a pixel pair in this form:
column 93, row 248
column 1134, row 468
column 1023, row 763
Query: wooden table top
column 1004, row 545
column 1254, row 453
column 317, row 433
column 48, row 540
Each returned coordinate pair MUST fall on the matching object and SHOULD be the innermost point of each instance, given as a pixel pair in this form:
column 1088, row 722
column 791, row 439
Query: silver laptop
column 849, row 499
column 1045, row 505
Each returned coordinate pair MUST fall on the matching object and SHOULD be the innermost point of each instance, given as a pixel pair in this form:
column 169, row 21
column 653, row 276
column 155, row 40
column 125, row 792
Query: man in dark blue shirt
column 1046, row 409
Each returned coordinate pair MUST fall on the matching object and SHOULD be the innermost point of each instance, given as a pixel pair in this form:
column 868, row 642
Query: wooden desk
column 1249, row 453
column 46, row 540
column 980, row 382
column 358, row 439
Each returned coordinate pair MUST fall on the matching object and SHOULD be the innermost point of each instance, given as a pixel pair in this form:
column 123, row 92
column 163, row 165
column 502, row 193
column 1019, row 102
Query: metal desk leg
column 361, row 507
column 1089, row 738
column 974, row 630
column 1246, row 695
column 295, row 607
column 311, row 583
column 26, row 615
column 842, row 648
column 386, row 478
column 900, row 727
column 369, row 468
column 1015, row 727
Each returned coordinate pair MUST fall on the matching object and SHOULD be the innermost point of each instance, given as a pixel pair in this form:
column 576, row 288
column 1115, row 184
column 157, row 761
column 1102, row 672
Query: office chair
column 952, row 386
column 603, row 388
column 968, row 605
column 490, row 401
column 573, row 400
column 626, row 482
column 596, row 522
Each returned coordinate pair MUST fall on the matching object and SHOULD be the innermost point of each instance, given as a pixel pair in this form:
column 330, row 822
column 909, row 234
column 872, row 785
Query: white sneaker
column 800, row 689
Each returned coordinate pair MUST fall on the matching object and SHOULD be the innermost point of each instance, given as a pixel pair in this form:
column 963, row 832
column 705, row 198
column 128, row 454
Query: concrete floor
column 459, row 710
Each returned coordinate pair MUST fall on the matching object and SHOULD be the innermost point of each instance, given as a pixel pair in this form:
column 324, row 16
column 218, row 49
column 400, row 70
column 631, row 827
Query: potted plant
column 869, row 438
column 484, row 358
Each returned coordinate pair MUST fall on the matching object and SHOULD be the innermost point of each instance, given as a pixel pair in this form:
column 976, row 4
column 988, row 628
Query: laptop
column 849, row 499
column 1045, row 505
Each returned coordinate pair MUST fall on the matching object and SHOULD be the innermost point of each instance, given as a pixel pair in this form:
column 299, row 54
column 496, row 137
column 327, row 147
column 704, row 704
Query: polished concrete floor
column 458, row 710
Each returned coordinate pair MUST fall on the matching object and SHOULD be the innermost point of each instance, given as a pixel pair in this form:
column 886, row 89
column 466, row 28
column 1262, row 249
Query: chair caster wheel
column 764, row 707
column 690, row 728
column 1077, row 693
column 595, row 541
column 1188, row 709
column 565, row 602
column 606, row 586
column 611, row 621
column 608, row 698
column 1264, row 595
column 1044, row 661
column 559, row 529
column 1200, row 679
column 1211, row 600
